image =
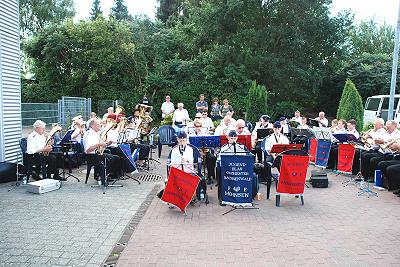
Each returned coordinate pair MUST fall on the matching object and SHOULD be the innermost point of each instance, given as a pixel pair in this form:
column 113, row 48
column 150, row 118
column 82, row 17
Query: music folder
column 346, row 137
column 279, row 148
column 263, row 132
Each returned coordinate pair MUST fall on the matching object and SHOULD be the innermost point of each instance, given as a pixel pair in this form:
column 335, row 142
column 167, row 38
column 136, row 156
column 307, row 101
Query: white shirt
column 305, row 126
column 376, row 134
column 91, row 138
column 112, row 136
column 167, row 107
column 296, row 119
column 77, row 138
column 355, row 132
column 182, row 157
column 275, row 139
column 323, row 120
column 388, row 137
column 181, row 116
column 223, row 129
column 35, row 142
column 285, row 129
column 207, row 123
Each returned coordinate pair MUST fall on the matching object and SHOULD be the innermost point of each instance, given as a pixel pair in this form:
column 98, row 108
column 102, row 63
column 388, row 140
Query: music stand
column 131, row 158
column 322, row 133
column 263, row 132
column 279, row 148
column 242, row 139
column 302, row 132
column 351, row 139
column 204, row 142
column 313, row 122
column 65, row 145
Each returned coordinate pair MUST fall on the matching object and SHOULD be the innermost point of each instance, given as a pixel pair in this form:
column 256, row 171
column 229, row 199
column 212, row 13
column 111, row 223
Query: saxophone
column 103, row 137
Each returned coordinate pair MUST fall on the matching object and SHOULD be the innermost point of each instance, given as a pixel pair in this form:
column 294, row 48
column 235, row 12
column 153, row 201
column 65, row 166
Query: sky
column 381, row 10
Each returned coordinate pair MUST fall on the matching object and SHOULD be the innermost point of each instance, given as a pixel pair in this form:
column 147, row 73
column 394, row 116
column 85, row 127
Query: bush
column 351, row 105
column 256, row 102
column 285, row 108
column 167, row 120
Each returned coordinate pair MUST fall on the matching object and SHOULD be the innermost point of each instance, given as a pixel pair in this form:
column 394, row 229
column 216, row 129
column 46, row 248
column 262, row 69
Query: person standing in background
column 201, row 105
column 167, row 107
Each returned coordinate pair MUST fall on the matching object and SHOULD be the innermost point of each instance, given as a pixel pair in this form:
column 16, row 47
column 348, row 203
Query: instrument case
column 319, row 179
column 43, row 186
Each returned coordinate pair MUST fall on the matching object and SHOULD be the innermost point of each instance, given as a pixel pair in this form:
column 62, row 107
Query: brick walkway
column 334, row 227
column 74, row 226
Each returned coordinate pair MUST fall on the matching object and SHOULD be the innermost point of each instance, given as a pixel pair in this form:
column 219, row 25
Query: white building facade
column 10, row 82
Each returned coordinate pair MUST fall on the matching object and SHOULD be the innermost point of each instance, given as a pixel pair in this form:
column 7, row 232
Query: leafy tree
column 256, row 102
column 36, row 15
column 168, row 8
column 89, row 59
column 120, row 11
column 368, row 37
column 351, row 105
column 96, row 10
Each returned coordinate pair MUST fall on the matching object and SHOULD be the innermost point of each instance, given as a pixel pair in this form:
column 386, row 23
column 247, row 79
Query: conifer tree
column 120, row 11
column 351, row 105
column 96, row 10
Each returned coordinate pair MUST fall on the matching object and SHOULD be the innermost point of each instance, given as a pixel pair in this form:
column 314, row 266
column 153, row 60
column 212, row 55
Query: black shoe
column 358, row 179
column 396, row 191
column 209, row 181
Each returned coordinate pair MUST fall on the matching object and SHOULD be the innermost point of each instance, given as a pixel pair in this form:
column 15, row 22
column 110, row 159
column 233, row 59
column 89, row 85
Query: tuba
column 145, row 110
column 50, row 139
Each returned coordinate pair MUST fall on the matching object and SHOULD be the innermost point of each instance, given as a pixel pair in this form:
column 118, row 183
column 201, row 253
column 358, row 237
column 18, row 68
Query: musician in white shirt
column 285, row 126
column 225, row 127
column 180, row 117
column 371, row 159
column 182, row 154
column 36, row 145
column 303, row 124
column 273, row 159
column 241, row 128
column 79, row 129
column 167, row 107
column 322, row 121
column 92, row 141
column 376, row 133
column 207, row 122
column 263, row 123
column 297, row 117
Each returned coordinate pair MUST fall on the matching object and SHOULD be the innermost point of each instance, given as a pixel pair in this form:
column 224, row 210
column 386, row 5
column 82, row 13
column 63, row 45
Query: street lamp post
column 394, row 68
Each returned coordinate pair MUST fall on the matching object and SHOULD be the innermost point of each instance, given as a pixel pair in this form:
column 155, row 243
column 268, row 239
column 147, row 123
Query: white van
column 377, row 106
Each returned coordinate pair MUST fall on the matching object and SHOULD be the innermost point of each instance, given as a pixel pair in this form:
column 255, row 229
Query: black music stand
column 313, row 122
column 65, row 145
column 204, row 142
column 263, row 132
column 302, row 132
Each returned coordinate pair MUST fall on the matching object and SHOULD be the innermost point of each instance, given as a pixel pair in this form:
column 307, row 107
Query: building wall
column 10, row 82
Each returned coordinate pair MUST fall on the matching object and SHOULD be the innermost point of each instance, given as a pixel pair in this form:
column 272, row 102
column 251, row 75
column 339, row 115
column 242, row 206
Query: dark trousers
column 211, row 160
column 53, row 161
column 144, row 151
column 332, row 160
column 116, row 162
column 257, row 150
column 370, row 161
column 391, row 170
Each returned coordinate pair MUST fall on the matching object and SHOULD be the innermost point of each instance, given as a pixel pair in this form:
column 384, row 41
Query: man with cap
column 182, row 154
column 272, row 159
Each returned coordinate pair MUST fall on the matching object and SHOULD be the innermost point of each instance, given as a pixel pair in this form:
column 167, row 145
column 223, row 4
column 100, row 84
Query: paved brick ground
column 74, row 226
column 334, row 227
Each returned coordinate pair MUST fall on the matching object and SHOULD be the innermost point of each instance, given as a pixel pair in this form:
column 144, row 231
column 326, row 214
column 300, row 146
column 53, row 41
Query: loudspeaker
column 8, row 171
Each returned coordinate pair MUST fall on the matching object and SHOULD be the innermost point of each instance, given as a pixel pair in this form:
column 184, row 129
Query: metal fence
column 103, row 105
column 47, row 112
column 69, row 107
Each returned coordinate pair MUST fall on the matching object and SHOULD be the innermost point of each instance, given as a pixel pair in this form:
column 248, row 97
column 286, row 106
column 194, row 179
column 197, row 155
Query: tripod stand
column 103, row 177
column 65, row 147
column 18, row 176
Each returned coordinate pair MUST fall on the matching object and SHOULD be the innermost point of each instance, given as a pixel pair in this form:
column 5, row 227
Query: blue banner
column 322, row 156
column 237, row 179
